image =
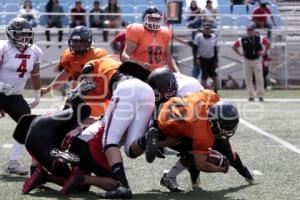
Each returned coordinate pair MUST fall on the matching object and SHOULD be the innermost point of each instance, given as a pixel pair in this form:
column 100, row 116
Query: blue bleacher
column 239, row 9
column 242, row 21
column 227, row 21
column 128, row 9
column 11, row 7
column 278, row 21
column 223, row 2
column 224, row 9
column 274, row 9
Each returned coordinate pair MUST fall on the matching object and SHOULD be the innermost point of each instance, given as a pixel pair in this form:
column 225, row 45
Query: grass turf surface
column 280, row 167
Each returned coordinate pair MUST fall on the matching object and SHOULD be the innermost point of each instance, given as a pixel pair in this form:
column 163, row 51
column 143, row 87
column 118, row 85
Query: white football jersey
column 15, row 66
column 187, row 85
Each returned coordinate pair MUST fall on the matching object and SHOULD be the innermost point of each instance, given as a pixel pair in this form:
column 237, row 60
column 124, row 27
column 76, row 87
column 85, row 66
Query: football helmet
column 164, row 84
column 19, row 32
column 224, row 119
column 80, row 40
column 152, row 18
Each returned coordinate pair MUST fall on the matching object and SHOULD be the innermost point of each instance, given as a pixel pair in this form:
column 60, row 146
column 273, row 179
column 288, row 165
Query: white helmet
column 152, row 18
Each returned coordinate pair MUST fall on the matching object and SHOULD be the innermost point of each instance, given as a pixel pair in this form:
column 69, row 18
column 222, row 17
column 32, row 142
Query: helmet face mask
column 19, row 33
column 152, row 18
column 153, row 21
column 224, row 119
column 80, row 40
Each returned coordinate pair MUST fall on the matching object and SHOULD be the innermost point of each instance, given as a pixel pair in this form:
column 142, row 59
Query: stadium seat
column 278, row 20
column 242, row 21
column 223, row 9
column 274, row 9
column 128, row 9
column 223, row 2
column 7, row 18
column 227, row 21
column 11, row 7
column 239, row 9
column 41, row 7
column 141, row 8
column 121, row 2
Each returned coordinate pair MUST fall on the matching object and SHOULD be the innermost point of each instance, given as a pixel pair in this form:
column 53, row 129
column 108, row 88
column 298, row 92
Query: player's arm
column 36, row 85
column 169, row 61
column 128, row 51
column 60, row 79
column 202, row 164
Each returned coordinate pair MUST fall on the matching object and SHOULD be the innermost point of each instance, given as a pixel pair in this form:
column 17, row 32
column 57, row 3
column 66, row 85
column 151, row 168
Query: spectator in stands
column 29, row 13
column 207, row 55
column 194, row 21
column 262, row 21
column 96, row 21
column 78, row 20
column 53, row 6
column 210, row 14
column 112, row 21
column 118, row 43
column 252, row 51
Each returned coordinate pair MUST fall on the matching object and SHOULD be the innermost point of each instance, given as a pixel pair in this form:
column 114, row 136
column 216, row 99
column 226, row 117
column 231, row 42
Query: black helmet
column 152, row 18
column 164, row 83
column 19, row 32
column 80, row 40
column 224, row 119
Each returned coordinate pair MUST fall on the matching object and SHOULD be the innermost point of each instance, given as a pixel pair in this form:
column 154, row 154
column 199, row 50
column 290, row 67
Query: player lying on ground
column 47, row 132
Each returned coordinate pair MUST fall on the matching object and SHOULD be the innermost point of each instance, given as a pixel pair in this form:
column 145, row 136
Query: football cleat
column 14, row 167
column 81, row 90
column 120, row 192
column 65, row 157
column 151, row 144
column 38, row 177
column 76, row 179
column 249, row 177
column 170, row 183
column 196, row 184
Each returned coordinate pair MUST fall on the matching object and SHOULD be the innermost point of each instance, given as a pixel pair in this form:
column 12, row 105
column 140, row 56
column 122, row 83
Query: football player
column 41, row 142
column 20, row 59
column 73, row 59
column 127, row 117
column 148, row 43
column 180, row 117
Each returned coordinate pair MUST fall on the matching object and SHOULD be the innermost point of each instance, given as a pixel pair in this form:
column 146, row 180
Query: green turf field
column 276, row 165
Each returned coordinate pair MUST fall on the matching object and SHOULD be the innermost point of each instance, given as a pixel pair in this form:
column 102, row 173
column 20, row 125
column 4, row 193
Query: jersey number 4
column 22, row 68
column 154, row 53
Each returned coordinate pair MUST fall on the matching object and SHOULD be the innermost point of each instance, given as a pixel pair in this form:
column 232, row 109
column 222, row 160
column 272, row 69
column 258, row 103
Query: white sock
column 176, row 169
column 17, row 151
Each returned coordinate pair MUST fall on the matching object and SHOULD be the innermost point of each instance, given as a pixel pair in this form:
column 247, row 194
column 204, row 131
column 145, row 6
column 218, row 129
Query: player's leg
column 204, row 75
column 15, row 107
column 224, row 147
column 258, row 73
column 248, row 72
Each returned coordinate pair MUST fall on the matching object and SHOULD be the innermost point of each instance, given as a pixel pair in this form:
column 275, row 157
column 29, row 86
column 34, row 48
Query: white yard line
column 272, row 100
column 7, row 146
column 269, row 135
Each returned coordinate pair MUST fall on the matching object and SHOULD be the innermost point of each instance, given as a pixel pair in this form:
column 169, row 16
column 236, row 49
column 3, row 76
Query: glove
column 37, row 99
column 66, row 144
column 7, row 89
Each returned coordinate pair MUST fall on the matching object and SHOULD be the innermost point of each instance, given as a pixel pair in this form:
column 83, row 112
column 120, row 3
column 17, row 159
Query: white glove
column 37, row 99
column 7, row 89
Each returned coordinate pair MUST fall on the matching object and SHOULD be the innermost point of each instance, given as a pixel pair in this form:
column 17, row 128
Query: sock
column 194, row 173
column 119, row 174
column 238, row 165
column 17, row 151
column 32, row 168
column 142, row 142
column 176, row 169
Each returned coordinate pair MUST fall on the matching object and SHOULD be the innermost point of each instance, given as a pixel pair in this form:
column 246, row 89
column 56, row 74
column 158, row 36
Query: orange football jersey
column 188, row 117
column 151, row 47
column 104, row 69
column 73, row 64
